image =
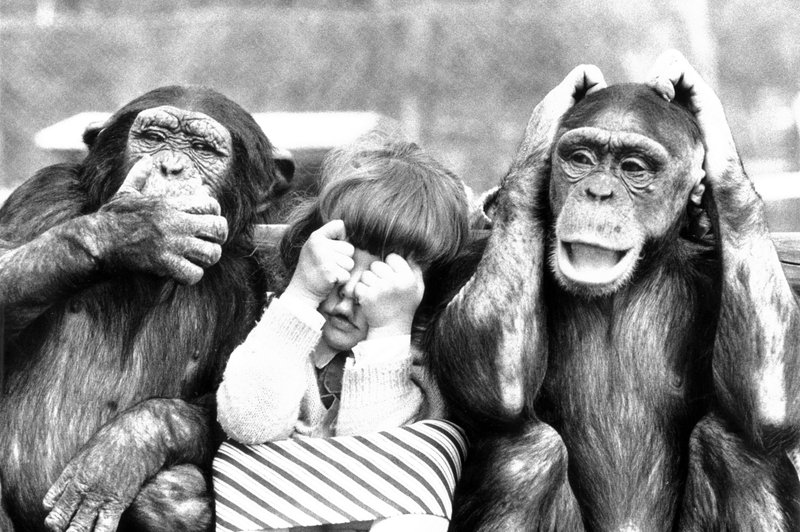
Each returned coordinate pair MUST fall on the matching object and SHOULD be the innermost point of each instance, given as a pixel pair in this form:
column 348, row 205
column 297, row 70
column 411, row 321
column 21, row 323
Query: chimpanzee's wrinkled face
column 622, row 177
column 190, row 150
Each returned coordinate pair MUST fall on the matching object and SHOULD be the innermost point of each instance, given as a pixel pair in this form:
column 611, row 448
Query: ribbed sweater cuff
column 286, row 329
column 368, row 384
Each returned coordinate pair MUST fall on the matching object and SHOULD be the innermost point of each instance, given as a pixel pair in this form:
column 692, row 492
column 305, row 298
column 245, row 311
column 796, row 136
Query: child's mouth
column 340, row 322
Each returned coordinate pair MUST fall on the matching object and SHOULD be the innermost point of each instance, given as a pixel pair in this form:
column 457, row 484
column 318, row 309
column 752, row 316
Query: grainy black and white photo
column 423, row 265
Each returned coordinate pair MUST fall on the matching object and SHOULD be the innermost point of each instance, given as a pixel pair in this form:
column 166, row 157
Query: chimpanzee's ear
column 272, row 202
column 698, row 173
column 284, row 163
column 91, row 132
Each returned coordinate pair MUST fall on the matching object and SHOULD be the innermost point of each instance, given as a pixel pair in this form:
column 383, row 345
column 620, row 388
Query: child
column 333, row 355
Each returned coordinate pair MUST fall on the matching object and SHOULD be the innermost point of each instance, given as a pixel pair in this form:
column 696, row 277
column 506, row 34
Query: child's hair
column 393, row 198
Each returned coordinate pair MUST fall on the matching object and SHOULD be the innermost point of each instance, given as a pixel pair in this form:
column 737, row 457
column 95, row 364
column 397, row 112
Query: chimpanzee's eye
column 205, row 147
column 632, row 165
column 581, row 158
column 152, row 135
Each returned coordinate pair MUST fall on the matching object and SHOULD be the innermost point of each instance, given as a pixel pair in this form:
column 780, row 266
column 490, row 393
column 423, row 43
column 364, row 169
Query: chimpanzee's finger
column 85, row 517
column 55, row 491
column 108, row 518
column 671, row 73
column 583, row 80
column 60, row 516
column 194, row 204
column 207, row 226
column 200, row 252
column 137, row 176
column 183, row 270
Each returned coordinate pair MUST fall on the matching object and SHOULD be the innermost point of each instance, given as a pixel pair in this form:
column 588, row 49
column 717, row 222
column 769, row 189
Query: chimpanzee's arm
column 757, row 352
column 49, row 249
column 488, row 348
column 105, row 476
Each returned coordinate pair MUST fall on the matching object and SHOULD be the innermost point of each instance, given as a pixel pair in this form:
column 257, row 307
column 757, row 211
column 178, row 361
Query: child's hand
column 389, row 294
column 325, row 261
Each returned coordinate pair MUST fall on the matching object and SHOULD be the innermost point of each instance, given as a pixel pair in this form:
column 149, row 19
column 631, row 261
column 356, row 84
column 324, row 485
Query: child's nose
column 348, row 290
column 346, row 297
column 344, row 305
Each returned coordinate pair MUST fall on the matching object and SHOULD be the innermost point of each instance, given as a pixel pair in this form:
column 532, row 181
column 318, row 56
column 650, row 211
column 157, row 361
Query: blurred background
column 460, row 76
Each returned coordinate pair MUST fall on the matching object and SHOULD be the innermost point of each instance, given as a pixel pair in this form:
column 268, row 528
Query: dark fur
column 96, row 349
column 620, row 427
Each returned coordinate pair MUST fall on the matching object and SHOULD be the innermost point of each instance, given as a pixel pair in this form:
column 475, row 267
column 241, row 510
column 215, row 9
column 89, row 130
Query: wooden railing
column 788, row 246
column 268, row 237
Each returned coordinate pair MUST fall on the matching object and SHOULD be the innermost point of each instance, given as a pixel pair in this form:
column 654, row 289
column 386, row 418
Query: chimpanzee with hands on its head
column 619, row 365
column 127, row 280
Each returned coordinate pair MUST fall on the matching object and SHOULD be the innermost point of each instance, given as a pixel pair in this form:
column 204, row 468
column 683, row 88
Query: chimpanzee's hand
column 100, row 482
column 675, row 79
column 166, row 235
column 546, row 117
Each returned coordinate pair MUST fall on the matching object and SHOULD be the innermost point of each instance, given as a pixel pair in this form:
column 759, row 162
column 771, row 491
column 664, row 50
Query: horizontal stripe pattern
column 315, row 481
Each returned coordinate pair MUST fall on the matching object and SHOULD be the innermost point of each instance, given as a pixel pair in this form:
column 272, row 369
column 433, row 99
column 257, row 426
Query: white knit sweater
column 269, row 390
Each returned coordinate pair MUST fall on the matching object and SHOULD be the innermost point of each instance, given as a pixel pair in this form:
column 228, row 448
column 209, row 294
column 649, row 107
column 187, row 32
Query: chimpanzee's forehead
column 176, row 120
column 636, row 109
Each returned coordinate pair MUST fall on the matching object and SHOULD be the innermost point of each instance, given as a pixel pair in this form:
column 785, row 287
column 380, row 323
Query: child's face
column 345, row 323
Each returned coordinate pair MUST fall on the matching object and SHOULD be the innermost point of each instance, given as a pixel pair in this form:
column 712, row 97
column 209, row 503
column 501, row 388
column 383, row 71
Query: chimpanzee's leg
column 177, row 499
column 5, row 520
column 516, row 482
column 732, row 487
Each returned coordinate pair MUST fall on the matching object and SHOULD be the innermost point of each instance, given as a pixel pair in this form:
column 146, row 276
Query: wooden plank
column 267, row 237
column 2, row 358
column 788, row 246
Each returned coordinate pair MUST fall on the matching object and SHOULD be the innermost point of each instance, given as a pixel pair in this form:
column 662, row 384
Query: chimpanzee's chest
column 625, row 417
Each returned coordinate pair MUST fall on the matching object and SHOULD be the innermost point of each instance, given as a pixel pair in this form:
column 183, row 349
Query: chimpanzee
column 127, row 279
column 627, row 354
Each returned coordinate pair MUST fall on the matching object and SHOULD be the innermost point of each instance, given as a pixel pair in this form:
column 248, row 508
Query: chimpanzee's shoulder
column 49, row 198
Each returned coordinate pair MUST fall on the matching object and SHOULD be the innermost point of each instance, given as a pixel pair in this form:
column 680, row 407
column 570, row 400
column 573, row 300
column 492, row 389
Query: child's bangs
column 389, row 216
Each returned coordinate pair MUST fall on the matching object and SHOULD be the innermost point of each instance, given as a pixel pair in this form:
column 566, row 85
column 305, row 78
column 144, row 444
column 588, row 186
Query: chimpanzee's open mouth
column 592, row 264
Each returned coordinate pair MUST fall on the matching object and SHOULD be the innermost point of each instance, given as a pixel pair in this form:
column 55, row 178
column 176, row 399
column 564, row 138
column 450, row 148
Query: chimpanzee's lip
column 592, row 264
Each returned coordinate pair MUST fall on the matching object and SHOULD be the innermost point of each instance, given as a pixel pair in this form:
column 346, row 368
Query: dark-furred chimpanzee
column 127, row 280
column 619, row 366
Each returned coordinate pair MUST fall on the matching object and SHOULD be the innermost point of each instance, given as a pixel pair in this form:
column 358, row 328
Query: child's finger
column 369, row 279
column 360, row 292
column 381, row 269
column 333, row 230
column 344, row 261
column 342, row 247
column 336, row 276
column 419, row 278
column 397, row 263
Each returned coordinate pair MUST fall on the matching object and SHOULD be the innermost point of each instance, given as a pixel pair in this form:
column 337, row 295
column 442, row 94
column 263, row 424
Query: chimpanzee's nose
column 599, row 191
column 172, row 166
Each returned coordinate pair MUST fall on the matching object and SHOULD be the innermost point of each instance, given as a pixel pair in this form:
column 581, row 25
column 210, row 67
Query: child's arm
column 268, row 375
column 377, row 389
